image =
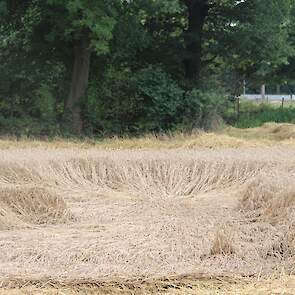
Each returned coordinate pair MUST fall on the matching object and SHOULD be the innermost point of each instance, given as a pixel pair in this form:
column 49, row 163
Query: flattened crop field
column 114, row 216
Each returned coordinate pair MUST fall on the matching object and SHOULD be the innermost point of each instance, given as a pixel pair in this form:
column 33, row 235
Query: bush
column 34, row 119
column 148, row 100
column 16, row 126
column 159, row 98
column 203, row 109
column 144, row 101
column 110, row 106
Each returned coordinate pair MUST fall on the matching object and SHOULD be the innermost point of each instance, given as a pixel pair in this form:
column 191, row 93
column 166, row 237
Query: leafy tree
column 240, row 33
column 86, row 27
column 134, row 66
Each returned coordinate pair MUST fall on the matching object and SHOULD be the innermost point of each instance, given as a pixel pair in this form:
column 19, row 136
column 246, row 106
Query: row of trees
column 134, row 65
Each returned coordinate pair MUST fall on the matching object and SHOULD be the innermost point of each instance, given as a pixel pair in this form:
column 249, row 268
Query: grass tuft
column 32, row 205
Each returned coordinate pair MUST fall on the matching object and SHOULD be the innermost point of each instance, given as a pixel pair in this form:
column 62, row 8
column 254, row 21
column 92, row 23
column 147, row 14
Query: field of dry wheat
column 145, row 219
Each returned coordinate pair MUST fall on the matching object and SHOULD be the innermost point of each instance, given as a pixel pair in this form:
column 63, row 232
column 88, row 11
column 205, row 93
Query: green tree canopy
column 89, row 64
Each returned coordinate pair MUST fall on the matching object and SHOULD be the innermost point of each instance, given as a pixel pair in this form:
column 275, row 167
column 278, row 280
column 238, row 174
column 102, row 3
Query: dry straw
column 145, row 215
column 32, row 205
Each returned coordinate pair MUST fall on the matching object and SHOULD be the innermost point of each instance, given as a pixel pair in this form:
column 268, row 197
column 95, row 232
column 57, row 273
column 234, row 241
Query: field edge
column 283, row 284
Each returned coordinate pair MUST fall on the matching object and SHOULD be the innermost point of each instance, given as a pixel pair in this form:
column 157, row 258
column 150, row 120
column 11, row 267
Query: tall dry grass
column 269, row 199
column 32, row 205
column 267, row 135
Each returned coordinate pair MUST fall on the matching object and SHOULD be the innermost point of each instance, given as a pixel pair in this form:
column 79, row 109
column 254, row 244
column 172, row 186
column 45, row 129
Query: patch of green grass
column 253, row 114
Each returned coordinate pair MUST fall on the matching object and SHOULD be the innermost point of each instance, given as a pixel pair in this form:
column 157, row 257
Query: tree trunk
column 197, row 12
column 79, row 84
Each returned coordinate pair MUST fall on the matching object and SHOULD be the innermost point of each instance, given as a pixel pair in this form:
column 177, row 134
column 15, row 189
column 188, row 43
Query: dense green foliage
column 113, row 67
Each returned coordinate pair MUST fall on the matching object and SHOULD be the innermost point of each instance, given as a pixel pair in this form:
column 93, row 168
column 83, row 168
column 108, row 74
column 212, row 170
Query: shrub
column 148, row 100
column 203, row 109
column 34, row 119
column 110, row 106
column 159, row 99
column 143, row 101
